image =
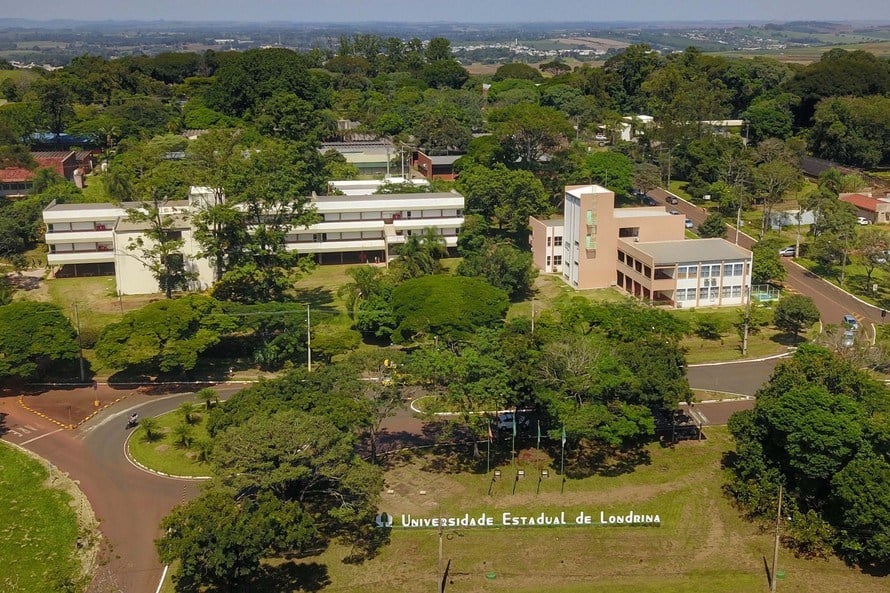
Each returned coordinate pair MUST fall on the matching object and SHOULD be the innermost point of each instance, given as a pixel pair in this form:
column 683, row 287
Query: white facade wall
column 712, row 284
column 571, row 239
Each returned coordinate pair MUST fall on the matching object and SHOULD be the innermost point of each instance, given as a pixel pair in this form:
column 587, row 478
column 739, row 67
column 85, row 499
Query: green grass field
column 701, row 546
column 38, row 531
column 164, row 455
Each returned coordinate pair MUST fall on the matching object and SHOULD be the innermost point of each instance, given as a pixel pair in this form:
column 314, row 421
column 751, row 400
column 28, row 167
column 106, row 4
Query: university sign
column 508, row 519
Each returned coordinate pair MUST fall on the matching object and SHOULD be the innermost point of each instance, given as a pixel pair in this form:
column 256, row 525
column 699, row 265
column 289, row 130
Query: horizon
column 335, row 12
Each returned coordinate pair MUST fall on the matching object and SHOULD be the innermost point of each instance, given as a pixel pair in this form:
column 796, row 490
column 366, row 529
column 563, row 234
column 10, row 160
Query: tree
column 34, row 336
column 503, row 196
column 767, row 263
column 872, row 246
column 608, row 168
column 503, row 266
column 713, row 226
column 209, row 396
column 447, row 73
column 528, row 132
column 795, row 313
column 438, row 49
column 852, row 130
column 775, row 177
column 189, row 414
column 166, row 335
column 55, row 104
column 220, row 541
column 861, row 493
column 420, row 254
column 517, row 70
column 646, row 177
column 150, row 427
column 450, row 307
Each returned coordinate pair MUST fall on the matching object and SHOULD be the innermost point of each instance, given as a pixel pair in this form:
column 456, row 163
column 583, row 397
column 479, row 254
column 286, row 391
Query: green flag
column 563, row 435
column 539, row 434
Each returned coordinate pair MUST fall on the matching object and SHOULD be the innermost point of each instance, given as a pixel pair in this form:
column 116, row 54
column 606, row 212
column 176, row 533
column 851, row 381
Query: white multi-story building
column 95, row 239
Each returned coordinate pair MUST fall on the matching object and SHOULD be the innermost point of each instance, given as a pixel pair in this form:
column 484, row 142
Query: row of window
column 557, row 241
column 712, row 293
column 709, row 271
column 379, row 215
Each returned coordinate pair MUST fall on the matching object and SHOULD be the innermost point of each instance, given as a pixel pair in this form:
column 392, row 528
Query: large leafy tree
column 32, row 337
column 852, row 130
column 818, row 429
column 795, row 313
column 502, row 265
column 448, row 307
column 504, row 197
column 167, row 335
column 528, row 132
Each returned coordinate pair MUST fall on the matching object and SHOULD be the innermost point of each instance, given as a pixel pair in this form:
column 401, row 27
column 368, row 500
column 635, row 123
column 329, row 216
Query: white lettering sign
column 509, row 519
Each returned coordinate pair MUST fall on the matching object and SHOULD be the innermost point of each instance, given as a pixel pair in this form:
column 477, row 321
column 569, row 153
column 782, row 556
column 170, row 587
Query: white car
column 689, row 224
column 787, row 251
column 863, row 220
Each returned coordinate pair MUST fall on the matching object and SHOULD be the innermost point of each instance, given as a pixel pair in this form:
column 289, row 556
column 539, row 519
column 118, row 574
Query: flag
column 539, row 434
column 490, row 434
column 514, row 426
column 563, row 435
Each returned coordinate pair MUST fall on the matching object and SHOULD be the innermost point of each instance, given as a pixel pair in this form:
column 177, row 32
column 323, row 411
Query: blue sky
column 451, row 10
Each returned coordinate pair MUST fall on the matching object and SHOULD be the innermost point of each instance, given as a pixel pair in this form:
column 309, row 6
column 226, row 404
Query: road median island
column 175, row 447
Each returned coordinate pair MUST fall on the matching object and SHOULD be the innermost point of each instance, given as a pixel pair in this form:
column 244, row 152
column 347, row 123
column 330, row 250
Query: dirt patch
column 162, row 448
column 69, row 406
column 595, row 43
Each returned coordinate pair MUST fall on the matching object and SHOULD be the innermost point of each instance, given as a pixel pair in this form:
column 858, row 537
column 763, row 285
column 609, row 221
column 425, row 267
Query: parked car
column 689, row 224
column 787, row 251
column 863, row 220
column 850, row 322
column 849, row 338
column 672, row 200
column 674, row 212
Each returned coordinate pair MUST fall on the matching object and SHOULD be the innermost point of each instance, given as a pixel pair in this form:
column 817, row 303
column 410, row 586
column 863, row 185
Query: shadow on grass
column 317, row 298
column 787, row 339
column 292, row 576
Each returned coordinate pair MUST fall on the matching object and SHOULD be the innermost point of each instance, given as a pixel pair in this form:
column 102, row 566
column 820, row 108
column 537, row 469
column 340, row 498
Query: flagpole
column 562, row 460
column 488, row 452
column 513, row 446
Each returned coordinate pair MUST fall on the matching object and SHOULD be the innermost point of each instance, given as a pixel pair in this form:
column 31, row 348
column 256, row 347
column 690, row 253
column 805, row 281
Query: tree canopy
column 34, row 336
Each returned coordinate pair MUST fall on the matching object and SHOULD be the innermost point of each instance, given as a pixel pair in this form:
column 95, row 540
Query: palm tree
column 414, row 260
column 434, row 244
column 208, row 396
column 182, row 435
column 187, row 409
column 150, row 426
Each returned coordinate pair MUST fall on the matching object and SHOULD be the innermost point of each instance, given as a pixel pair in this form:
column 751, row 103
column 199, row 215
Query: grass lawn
column 701, row 546
column 165, row 455
column 39, row 528
column 95, row 190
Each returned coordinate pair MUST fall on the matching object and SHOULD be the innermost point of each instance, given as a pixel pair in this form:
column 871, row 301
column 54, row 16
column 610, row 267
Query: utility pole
column 79, row 345
column 533, row 315
column 440, row 588
column 747, row 318
column 308, row 341
column 772, row 585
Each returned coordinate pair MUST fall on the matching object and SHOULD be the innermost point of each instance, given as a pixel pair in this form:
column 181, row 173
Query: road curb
column 744, row 361
column 836, row 287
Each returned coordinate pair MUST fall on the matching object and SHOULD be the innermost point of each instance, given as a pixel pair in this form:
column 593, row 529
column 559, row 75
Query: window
column 727, row 292
column 557, row 260
column 737, row 291
column 684, row 272
column 557, row 241
column 738, row 269
column 548, row 261
column 621, row 256
column 713, row 293
column 548, row 241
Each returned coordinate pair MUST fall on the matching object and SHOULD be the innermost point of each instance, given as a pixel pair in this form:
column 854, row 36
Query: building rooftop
column 124, row 225
column 580, row 190
column 861, row 202
column 445, row 159
column 692, row 250
column 637, row 212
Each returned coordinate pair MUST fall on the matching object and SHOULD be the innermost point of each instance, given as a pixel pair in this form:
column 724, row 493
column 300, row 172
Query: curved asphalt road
column 128, row 502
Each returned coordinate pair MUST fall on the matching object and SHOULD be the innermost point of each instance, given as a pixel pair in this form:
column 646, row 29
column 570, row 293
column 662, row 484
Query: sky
column 468, row 11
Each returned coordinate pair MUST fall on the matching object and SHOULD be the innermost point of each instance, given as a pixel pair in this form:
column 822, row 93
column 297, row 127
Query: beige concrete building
column 642, row 251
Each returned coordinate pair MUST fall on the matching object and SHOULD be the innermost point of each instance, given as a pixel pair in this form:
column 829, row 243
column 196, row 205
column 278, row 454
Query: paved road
column 743, row 378
column 128, row 502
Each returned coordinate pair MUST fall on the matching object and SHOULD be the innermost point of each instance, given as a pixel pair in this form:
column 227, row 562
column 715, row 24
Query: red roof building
column 16, row 181
column 875, row 210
